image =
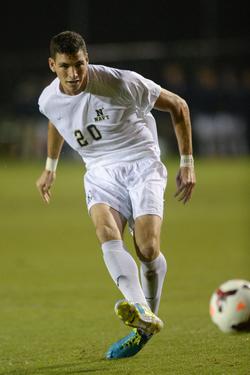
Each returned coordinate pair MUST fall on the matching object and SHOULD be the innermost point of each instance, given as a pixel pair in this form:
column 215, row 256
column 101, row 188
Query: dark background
column 199, row 49
column 29, row 25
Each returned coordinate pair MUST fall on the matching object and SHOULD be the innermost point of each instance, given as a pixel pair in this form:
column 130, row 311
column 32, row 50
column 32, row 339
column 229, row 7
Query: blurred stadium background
column 200, row 51
column 53, row 283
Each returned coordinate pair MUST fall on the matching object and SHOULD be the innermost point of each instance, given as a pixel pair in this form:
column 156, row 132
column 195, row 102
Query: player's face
column 72, row 71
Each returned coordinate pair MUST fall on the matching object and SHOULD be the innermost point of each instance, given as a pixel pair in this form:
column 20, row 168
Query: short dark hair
column 68, row 42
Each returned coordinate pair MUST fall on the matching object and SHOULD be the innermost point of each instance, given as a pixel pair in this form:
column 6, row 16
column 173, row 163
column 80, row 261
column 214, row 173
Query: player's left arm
column 179, row 111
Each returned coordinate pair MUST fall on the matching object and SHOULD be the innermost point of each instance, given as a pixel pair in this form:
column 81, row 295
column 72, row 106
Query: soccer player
column 105, row 114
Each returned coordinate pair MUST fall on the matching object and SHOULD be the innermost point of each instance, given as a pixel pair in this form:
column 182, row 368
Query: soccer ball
column 229, row 306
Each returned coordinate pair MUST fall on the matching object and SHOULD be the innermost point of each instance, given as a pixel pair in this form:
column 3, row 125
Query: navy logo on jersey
column 100, row 115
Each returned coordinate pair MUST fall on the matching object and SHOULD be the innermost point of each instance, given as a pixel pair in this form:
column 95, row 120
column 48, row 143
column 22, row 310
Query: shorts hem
column 108, row 204
column 143, row 213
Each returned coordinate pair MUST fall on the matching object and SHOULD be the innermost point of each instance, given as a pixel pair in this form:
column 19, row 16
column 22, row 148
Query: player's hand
column 185, row 182
column 44, row 184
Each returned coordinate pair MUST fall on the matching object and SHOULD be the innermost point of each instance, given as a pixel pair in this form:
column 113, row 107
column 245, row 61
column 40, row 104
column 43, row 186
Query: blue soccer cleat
column 138, row 316
column 129, row 345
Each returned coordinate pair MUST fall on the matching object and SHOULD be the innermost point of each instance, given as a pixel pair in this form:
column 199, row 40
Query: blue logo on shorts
column 89, row 197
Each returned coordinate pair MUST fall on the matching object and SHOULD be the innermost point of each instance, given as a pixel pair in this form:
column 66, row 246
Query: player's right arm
column 54, row 146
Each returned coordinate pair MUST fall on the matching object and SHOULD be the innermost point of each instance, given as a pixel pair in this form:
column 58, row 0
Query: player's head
column 67, row 42
column 69, row 60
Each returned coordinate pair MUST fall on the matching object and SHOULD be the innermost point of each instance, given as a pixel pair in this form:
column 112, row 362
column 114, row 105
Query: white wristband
column 51, row 164
column 187, row 161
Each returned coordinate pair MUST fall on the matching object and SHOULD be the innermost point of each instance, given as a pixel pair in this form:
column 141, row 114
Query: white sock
column 123, row 270
column 152, row 278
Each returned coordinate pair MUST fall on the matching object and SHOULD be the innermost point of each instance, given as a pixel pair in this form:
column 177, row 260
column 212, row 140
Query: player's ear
column 52, row 64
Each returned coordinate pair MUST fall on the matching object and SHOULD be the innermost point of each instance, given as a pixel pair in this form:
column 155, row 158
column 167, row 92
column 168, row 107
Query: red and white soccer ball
column 230, row 306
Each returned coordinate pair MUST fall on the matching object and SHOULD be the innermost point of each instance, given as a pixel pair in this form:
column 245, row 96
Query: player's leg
column 147, row 180
column 109, row 225
column 147, row 199
column 147, row 228
column 153, row 263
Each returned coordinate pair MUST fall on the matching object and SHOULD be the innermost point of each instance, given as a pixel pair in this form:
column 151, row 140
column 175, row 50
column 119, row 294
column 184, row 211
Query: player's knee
column 107, row 233
column 149, row 250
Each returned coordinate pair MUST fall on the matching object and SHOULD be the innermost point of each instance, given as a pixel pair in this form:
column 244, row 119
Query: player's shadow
column 63, row 369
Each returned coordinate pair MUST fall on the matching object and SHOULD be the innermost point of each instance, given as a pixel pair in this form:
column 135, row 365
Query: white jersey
column 110, row 121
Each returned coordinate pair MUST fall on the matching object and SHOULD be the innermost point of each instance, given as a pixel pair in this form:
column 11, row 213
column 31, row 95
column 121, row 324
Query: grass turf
column 57, row 299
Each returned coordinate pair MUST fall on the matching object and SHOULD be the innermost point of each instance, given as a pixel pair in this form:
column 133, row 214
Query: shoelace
column 133, row 341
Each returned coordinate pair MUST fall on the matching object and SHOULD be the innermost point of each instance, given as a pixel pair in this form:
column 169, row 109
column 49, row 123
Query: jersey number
column 93, row 131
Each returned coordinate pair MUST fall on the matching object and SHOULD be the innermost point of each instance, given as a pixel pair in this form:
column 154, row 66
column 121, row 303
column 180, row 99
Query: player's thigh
column 104, row 186
column 147, row 231
column 147, row 195
column 108, row 222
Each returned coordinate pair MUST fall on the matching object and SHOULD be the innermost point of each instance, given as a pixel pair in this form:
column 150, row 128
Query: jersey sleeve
column 45, row 100
column 143, row 92
column 40, row 105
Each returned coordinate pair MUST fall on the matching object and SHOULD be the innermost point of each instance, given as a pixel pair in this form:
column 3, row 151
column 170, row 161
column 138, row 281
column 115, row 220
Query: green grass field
column 56, row 297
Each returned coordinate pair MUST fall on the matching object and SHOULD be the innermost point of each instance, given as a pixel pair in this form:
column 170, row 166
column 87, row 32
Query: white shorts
column 131, row 188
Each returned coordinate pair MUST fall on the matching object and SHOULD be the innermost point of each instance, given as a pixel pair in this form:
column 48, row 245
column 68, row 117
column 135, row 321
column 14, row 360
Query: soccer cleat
column 138, row 316
column 129, row 345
